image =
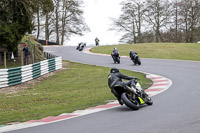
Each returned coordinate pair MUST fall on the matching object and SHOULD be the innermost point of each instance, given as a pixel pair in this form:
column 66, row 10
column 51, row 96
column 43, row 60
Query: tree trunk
column 47, row 27
column 139, row 25
column 176, row 20
column 63, row 25
column 157, row 35
column 57, row 28
column 161, row 39
column 186, row 31
column 57, row 22
column 63, row 34
column 38, row 22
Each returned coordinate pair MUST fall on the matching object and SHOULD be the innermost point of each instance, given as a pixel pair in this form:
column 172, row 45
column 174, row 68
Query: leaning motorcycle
column 136, row 60
column 80, row 47
column 132, row 99
column 116, row 58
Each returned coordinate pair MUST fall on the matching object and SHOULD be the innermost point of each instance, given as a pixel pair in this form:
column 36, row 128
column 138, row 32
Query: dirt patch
column 26, row 85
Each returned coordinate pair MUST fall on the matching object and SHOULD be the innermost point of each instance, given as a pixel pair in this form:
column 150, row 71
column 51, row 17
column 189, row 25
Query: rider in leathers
column 132, row 54
column 115, row 78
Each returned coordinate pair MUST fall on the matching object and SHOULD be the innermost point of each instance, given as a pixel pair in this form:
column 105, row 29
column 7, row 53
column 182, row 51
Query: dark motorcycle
column 116, row 58
column 132, row 99
column 80, row 46
column 136, row 60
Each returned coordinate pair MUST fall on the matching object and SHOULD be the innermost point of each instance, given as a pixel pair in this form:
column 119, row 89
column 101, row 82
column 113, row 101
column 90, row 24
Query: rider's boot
column 120, row 101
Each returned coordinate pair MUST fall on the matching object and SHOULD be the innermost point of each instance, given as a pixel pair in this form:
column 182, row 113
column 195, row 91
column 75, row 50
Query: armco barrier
column 18, row 75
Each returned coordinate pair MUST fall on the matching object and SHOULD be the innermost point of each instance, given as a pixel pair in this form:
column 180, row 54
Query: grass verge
column 10, row 65
column 181, row 51
column 76, row 87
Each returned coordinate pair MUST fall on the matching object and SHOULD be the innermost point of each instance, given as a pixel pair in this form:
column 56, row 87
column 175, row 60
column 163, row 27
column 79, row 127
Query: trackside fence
column 18, row 75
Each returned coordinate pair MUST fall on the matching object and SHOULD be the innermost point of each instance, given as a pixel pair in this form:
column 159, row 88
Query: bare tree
column 38, row 22
column 190, row 13
column 61, row 20
column 185, row 22
column 72, row 20
column 130, row 21
column 47, row 10
column 42, row 8
column 173, row 33
column 57, row 20
column 158, row 15
column 175, row 14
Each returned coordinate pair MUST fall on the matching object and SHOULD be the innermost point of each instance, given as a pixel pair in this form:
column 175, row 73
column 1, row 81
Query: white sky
column 97, row 14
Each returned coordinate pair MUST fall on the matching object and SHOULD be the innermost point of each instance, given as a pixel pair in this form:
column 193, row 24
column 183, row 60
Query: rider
column 115, row 53
column 81, row 44
column 115, row 78
column 97, row 41
column 132, row 54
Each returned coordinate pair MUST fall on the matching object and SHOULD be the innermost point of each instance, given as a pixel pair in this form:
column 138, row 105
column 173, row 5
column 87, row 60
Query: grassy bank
column 76, row 87
column 10, row 65
column 181, row 51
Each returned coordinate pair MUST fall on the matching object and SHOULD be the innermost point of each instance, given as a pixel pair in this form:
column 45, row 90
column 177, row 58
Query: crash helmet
column 114, row 70
column 115, row 48
column 25, row 44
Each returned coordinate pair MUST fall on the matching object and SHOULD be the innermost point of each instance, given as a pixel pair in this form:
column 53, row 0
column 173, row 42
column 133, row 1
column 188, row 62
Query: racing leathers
column 132, row 54
column 115, row 79
column 115, row 54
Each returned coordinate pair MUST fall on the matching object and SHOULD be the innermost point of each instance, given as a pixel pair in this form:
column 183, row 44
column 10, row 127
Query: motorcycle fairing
column 141, row 101
column 138, row 85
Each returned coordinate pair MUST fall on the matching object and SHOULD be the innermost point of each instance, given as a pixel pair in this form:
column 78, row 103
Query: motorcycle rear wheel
column 129, row 101
column 139, row 62
column 118, row 61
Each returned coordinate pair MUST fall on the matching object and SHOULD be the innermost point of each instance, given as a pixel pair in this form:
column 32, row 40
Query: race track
column 176, row 110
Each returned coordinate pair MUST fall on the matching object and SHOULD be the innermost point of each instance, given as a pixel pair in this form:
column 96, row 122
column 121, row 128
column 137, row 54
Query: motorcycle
column 80, row 46
column 116, row 58
column 136, row 60
column 97, row 43
column 132, row 99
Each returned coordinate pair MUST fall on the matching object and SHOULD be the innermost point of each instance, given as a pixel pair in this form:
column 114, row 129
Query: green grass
column 77, row 87
column 10, row 65
column 180, row 51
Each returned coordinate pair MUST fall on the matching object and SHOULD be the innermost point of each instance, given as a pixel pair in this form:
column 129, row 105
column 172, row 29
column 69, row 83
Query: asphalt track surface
column 176, row 110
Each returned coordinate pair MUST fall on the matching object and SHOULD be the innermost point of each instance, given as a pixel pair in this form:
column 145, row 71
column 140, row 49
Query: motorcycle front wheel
column 129, row 101
column 149, row 101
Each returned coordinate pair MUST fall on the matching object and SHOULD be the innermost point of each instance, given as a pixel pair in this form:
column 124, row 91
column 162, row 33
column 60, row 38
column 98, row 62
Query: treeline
column 56, row 19
column 60, row 20
column 159, row 21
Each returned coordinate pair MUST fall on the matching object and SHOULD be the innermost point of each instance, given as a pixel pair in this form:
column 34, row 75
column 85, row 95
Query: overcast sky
column 97, row 14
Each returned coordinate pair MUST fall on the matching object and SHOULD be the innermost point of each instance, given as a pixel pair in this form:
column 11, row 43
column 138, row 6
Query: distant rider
column 115, row 53
column 97, row 41
column 115, row 79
